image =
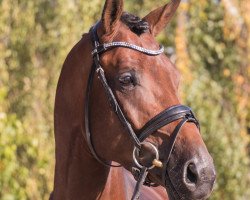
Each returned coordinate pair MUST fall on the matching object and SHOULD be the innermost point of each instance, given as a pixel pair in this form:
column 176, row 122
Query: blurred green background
column 209, row 40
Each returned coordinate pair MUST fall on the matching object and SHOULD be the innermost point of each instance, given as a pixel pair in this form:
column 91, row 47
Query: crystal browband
column 104, row 47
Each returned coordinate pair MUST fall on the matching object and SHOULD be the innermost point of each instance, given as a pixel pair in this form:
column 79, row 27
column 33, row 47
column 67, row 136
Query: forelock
column 134, row 23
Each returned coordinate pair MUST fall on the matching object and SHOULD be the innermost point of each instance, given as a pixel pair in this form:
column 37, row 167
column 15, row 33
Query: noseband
column 167, row 116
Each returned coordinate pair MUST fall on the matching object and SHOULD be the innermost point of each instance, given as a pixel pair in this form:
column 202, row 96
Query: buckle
column 98, row 49
column 94, row 52
column 99, row 69
column 136, row 174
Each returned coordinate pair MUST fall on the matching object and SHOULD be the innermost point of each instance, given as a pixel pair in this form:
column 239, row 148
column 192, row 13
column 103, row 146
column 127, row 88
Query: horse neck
column 77, row 174
column 86, row 177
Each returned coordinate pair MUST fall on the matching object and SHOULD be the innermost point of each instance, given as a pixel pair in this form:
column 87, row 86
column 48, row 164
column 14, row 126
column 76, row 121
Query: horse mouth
column 179, row 193
column 173, row 194
column 172, row 191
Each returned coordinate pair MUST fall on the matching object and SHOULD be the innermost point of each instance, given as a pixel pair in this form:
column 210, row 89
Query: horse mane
column 135, row 23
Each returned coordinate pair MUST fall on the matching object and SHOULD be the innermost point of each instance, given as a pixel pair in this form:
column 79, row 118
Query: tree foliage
column 208, row 40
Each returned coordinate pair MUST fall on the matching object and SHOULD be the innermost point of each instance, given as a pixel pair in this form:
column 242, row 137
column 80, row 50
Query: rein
column 167, row 116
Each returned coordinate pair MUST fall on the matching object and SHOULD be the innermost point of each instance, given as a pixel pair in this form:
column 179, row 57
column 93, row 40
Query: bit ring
column 136, row 151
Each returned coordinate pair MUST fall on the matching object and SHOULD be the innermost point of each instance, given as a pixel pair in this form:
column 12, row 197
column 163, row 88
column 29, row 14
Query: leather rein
column 167, row 116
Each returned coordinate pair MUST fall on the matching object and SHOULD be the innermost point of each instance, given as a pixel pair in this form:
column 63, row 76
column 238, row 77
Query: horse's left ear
column 111, row 14
column 159, row 18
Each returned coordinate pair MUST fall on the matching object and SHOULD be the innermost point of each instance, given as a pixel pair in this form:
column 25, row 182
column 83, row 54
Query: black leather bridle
column 171, row 114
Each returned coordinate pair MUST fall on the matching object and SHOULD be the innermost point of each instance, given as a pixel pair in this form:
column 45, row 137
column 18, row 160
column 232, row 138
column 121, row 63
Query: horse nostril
column 191, row 174
column 198, row 178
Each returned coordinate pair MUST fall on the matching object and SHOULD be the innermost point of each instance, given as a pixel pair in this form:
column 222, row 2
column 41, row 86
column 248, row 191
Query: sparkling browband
column 104, row 47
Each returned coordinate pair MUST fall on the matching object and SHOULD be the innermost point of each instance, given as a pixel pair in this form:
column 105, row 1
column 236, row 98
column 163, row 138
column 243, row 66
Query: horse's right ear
column 111, row 14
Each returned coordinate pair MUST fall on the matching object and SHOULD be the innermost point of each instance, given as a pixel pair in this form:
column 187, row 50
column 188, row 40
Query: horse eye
column 126, row 79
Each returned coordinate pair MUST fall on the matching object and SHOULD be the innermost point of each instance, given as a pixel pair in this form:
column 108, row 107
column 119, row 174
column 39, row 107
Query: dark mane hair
column 134, row 23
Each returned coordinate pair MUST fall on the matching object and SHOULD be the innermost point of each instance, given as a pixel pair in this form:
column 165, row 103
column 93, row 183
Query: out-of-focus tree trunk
column 233, row 19
column 237, row 27
column 182, row 57
column 244, row 105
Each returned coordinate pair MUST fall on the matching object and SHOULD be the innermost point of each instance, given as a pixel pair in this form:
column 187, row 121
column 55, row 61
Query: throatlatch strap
column 87, row 122
column 87, row 114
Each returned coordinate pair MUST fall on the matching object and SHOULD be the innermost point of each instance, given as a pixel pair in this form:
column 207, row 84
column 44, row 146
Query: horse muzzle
column 192, row 179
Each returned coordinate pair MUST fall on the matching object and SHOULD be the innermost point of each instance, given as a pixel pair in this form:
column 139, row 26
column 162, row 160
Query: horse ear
column 111, row 14
column 160, row 17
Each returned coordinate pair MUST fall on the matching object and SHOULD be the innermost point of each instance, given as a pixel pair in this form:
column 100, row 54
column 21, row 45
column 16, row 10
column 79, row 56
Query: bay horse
column 117, row 101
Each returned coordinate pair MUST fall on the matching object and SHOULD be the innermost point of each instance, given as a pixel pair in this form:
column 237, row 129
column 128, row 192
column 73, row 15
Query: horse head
column 141, row 84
